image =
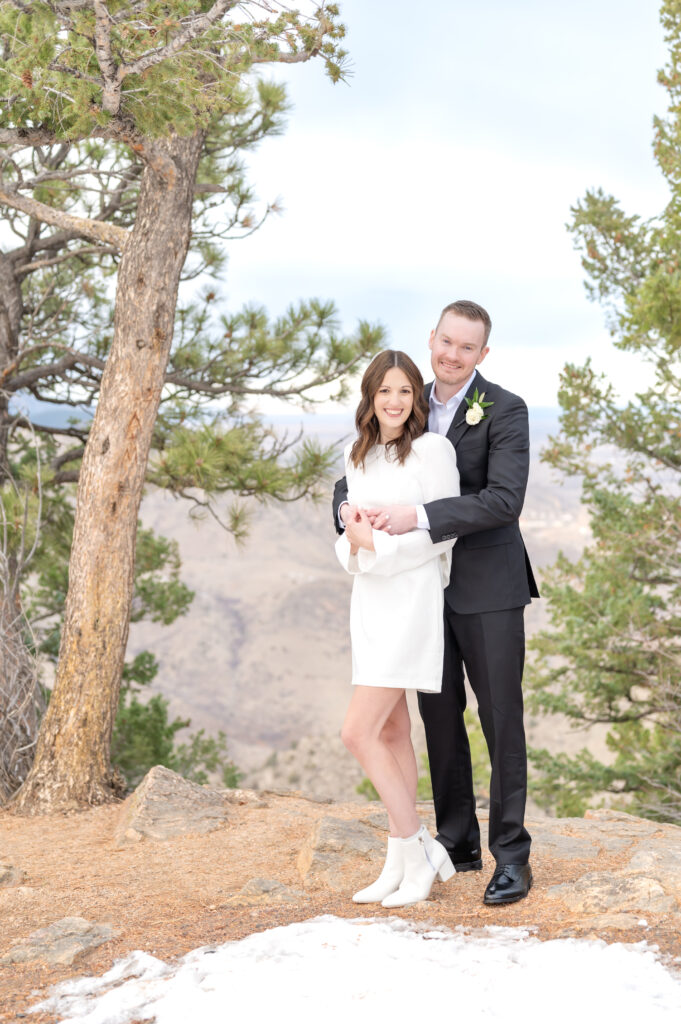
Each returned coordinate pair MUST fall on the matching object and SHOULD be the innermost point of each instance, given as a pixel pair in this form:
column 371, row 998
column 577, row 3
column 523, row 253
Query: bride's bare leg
column 362, row 733
column 396, row 734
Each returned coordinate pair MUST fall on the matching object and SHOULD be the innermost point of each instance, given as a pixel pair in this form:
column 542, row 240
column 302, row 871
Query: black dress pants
column 491, row 646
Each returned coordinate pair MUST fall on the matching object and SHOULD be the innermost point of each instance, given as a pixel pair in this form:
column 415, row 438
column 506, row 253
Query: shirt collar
column 455, row 400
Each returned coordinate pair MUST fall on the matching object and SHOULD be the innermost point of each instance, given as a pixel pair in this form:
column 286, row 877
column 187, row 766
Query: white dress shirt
column 440, row 418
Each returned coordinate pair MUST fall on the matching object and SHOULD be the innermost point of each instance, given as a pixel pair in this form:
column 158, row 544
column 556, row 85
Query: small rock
column 59, row 943
column 10, row 875
column 165, row 805
column 599, row 892
column 268, row 890
column 331, row 844
column 245, row 797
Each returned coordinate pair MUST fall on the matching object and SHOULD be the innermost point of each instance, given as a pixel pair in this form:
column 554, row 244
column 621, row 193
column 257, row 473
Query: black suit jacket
column 490, row 567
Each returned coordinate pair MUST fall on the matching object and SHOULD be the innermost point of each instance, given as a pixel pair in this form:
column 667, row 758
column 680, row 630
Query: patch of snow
column 366, row 970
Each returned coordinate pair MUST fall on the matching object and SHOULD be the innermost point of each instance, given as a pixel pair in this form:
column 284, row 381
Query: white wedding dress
column 396, row 623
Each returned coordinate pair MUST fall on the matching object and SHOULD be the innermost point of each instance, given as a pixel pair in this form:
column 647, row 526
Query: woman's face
column 393, row 403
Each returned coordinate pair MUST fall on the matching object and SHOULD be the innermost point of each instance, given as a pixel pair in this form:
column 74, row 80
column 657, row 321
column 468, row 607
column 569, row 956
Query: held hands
column 393, row 519
column 357, row 528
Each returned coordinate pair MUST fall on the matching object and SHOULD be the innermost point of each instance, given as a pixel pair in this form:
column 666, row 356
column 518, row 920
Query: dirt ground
column 167, row 898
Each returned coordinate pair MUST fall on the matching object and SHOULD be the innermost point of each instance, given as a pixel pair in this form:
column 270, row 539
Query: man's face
column 457, row 346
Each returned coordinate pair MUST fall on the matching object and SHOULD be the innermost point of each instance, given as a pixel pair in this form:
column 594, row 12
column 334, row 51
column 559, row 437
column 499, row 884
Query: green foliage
column 145, row 736
column 157, row 66
column 479, row 759
column 612, row 653
column 158, row 594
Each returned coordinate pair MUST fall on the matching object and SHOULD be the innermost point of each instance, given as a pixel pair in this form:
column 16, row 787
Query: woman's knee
column 352, row 736
column 396, row 731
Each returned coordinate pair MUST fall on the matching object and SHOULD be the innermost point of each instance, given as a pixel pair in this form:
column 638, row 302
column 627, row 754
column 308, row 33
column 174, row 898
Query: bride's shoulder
column 434, row 450
column 431, row 441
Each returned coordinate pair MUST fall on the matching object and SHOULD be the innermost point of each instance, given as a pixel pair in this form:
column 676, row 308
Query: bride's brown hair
column 368, row 428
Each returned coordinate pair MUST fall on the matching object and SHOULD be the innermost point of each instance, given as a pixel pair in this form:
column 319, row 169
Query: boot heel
column 446, row 871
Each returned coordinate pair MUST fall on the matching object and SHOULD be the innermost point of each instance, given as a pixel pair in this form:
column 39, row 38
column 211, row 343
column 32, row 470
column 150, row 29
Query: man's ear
column 431, row 339
column 483, row 353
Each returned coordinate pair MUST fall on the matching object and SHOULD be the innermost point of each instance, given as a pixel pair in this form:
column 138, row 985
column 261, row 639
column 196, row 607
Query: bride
column 396, row 623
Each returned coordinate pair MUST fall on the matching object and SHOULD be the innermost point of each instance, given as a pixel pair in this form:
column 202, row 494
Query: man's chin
column 451, row 379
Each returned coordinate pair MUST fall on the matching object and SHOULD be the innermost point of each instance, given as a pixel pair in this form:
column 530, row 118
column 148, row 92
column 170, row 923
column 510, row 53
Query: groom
column 490, row 584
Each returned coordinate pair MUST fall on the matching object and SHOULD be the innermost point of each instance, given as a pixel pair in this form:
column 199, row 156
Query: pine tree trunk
column 71, row 767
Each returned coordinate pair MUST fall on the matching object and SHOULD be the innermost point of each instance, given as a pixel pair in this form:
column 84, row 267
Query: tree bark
column 71, row 767
column 11, row 310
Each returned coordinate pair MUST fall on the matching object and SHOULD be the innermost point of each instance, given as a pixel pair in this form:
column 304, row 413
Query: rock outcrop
column 60, row 943
column 332, row 845
column 165, row 805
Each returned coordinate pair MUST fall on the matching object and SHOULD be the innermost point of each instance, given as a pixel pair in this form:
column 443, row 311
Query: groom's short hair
column 472, row 311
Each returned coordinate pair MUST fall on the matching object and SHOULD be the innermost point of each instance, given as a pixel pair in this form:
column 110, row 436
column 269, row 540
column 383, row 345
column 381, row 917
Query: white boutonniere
column 476, row 408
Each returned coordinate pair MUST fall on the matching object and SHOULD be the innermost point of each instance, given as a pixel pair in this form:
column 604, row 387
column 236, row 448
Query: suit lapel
column 426, row 394
column 459, row 426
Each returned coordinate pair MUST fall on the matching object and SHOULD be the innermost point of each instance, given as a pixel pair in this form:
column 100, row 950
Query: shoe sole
column 504, row 903
column 472, row 865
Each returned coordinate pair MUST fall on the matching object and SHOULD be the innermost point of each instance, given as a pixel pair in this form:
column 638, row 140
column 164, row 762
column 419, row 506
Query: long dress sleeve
column 393, row 554
column 349, row 562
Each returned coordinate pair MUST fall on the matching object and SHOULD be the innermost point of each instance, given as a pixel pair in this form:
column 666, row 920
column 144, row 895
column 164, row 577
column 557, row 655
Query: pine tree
column 612, row 653
column 160, row 82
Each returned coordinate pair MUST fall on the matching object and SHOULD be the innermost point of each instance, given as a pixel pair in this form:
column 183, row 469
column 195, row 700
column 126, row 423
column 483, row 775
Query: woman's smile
column 393, row 403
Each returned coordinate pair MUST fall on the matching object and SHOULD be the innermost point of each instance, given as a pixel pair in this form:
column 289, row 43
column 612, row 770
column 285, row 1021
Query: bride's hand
column 359, row 532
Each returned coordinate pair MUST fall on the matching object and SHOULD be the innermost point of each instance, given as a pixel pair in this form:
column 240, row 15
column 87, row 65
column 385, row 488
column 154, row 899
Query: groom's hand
column 393, row 518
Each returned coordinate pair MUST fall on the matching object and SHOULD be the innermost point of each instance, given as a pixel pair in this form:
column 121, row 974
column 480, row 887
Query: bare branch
column 25, row 137
column 38, row 373
column 94, row 229
column 70, row 456
column 86, row 250
column 111, row 94
column 80, row 434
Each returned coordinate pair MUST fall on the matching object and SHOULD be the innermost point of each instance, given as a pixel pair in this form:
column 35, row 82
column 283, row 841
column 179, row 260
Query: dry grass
column 169, row 897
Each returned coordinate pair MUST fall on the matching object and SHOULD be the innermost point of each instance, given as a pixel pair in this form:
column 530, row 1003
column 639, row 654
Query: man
column 490, row 584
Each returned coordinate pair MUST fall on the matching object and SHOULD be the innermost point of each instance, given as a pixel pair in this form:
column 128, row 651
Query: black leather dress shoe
column 471, row 860
column 509, row 883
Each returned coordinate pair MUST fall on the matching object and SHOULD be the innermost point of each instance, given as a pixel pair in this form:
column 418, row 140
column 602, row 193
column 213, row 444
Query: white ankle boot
column 424, row 860
column 390, row 877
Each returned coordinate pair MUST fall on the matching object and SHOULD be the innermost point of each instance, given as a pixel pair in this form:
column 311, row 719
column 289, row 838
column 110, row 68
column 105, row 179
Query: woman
column 396, row 611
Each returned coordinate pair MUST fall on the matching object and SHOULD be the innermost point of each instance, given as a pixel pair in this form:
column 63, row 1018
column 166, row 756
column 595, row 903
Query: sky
column 446, row 168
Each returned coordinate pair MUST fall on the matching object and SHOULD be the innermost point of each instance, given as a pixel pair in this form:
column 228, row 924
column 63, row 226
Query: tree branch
column 195, row 28
column 86, row 250
column 111, row 94
column 22, row 421
column 96, row 230
column 30, row 377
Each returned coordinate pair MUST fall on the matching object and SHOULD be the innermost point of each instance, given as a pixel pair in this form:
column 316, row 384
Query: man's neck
column 443, row 392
